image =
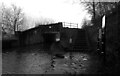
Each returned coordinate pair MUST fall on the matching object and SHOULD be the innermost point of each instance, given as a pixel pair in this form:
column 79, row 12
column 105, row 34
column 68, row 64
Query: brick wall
column 35, row 35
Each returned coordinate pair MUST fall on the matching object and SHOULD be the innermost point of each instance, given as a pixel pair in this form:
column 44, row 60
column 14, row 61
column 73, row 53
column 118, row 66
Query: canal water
column 37, row 60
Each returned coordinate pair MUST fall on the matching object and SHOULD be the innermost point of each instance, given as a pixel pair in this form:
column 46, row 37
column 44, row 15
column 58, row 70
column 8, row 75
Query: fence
column 70, row 25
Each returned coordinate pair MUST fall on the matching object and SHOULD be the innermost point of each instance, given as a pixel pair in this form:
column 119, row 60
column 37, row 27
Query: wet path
column 37, row 61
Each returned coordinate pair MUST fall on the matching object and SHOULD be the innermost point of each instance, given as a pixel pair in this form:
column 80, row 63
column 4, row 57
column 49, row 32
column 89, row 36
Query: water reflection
column 36, row 60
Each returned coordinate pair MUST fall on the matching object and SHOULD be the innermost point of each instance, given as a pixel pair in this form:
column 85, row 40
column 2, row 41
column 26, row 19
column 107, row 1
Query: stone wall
column 35, row 35
column 66, row 34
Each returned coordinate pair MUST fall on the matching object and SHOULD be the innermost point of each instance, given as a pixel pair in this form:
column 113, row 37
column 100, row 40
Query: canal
column 37, row 60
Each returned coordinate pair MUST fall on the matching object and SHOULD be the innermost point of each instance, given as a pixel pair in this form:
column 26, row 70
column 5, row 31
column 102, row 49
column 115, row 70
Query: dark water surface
column 36, row 60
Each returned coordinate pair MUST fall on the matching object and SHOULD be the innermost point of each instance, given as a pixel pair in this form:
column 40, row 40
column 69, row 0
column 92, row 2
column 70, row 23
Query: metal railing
column 70, row 25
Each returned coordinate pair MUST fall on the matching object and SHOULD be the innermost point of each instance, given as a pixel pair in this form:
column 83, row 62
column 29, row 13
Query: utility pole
column 15, row 22
column 93, row 12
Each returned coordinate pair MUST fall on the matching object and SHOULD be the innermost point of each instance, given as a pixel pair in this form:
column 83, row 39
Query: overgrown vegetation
column 112, row 46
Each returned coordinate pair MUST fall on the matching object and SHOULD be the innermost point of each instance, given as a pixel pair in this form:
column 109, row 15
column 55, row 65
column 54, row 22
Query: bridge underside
column 69, row 38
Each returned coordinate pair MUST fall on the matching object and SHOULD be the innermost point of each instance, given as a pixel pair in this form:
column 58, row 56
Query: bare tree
column 97, row 9
column 11, row 18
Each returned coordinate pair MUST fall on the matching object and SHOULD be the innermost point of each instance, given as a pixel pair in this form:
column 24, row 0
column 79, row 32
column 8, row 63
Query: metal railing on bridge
column 70, row 25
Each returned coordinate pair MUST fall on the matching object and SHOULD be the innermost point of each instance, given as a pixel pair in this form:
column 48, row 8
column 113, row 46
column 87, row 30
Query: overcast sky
column 58, row 10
